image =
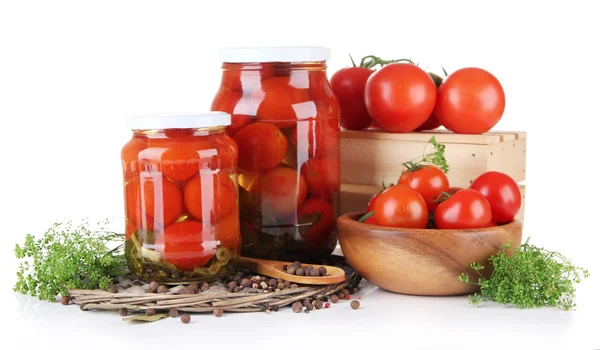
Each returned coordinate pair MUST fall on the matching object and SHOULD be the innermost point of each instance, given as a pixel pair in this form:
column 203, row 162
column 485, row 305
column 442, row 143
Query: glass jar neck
column 176, row 132
column 309, row 66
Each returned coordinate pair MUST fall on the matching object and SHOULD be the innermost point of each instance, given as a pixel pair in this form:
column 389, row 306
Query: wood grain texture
column 275, row 269
column 417, row 261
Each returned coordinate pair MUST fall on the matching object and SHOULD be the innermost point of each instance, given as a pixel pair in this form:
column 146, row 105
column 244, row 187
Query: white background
column 70, row 71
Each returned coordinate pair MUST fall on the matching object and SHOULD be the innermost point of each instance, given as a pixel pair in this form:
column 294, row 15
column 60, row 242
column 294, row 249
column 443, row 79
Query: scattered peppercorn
column 306, row 302
column 173, row 313
column 263, row 278
column 194, row 287
column 237, row 279
column 127, row 286
column 300, row 272
column 327, row 305
column 355, row 304
column 325, row 299
column 218, row 312
column 186, row 291
column 308, row 267
column 296, row 264
column 232, row 285
column 123, row 311
column 65, row 300
column 272, row 282
column 153, row 285
column 318, row 304
column 291, row 270
column 345, row 291
column 205, row 286
column 267, row 311
column 310, row 307
column 255, row 285
column 275, row 308
column 314, row 273
column 334, row 299
column 245, row 282
column 111, row 290
column 186, row 318
column 354, row 290
column 297, row 307
column 322, row 271
column 293, row 286
column 287, row 284
column 341, row 295
column 237, row 289
column 163, row 289
column 280, row 285
column 150, row 312
column 264, row 285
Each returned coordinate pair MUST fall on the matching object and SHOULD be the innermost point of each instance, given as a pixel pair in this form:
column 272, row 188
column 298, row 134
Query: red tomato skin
column 322, row 177
column 470, row 101
column 181, row 244
column 466, row 209
column 502, row 192
column 371, row 204
column 431, row 123
column 262, row 146
column 429, row 181
column 401, row 206
column 371, row 221
column 400, row 97
column 223, row 194
column 348, row 85
column 322, row 228
column 282, row 191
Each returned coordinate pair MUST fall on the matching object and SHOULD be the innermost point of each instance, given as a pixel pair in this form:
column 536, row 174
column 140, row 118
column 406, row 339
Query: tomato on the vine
column 400, row 97
column 432, row 122
column 371, row 204
column 349, row 87
column 181, row 244
column 262, row 146
column 401, row 206
column 429, row 181
column 463, row 210
column 470, row 101
column 502, row 192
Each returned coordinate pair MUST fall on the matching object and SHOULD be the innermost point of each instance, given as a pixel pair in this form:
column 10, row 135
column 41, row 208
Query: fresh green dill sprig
column 68, row 257
column 435, row 156
column 529, row 277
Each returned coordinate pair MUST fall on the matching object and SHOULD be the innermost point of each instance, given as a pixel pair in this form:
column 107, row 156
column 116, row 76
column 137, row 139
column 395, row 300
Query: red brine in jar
column 285, row 121
column 181, row 203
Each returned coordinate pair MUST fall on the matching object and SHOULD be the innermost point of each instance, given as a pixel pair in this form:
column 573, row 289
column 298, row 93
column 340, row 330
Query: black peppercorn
column 186, row 291
column 308, row 267
column 162, row 289
column 237, row 289
column 355, row 304
column 291, row 270
column 322, row 271
column 285, row 267
column 173, row 312
column 153, row 285
column 280, row 285
column 287, row 284
column 65, row 300
column 218, row 312
column 186, row 318
column 255, row 285
column 150, row 312
column 310, row 307
column 341, row 295
column 296, row 264
column 127, row 286
column 345, row 291
column 300, row 272
column 334, row 298
column 205, row 286
column 314, row 273
column 245, row 282
column 354, row 290
column 111, row 290
column 305, row 302
column 263, row 278
column 232, row 285
column 279, row 280
column 297, row 307
column 272, row 282
column 318, row 304
column 194, row 287
column 275, row 308
column 237, row 279
column 325, row 299
column 294, row 286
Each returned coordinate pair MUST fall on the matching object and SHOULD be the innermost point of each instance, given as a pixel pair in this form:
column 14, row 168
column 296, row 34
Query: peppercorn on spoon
column 275, row 269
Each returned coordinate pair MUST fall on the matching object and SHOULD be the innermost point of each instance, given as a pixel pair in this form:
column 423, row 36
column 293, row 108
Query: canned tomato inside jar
column 181, row 199
column 285, row 121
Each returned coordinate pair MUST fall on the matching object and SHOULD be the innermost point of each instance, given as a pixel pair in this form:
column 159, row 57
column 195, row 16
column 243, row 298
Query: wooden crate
column 367, row 157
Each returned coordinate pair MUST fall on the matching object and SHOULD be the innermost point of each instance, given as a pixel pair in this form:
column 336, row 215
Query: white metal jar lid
column 274, row 54
column 179, row 121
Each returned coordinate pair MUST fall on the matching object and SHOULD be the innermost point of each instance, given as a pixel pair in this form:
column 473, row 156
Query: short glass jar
column 181, row 199
column 285, row 120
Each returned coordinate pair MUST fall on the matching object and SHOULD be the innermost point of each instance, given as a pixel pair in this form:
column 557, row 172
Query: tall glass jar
column 285, row 121
column 181, row 203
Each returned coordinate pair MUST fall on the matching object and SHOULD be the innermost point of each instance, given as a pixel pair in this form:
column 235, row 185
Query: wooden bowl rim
column 350, row 219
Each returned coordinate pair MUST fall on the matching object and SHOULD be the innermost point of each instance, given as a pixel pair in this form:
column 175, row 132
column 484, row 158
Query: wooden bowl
column 421, row 261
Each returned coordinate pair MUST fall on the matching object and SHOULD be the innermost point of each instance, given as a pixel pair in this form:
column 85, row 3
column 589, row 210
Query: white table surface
column 402, row 321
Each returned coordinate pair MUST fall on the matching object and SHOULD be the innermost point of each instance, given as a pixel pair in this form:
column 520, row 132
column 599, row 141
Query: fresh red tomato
column 322, row 215
column 371, row 204
column 401, row 206
column 151, row 198
column 432, row 122
column 502, row 192
column 470, row 101
column 227, row 231
column 349, row 87
column 400, row 97
column 281, row 102
column 371, row 221
column 261, row 146
column 463, row 210
column 429, row 181
column 322, row 177
column 282, row 191
column 223, row 196
column 181, row 244
column 319, row 138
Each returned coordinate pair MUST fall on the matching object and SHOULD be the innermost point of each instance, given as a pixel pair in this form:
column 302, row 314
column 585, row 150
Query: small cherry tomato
column 322, row 177
column 429, row 181
column 502, row 192
column 198, row 203
column 282, row 102
column 319, row 138
column 228, row 231
column 245, row 77
column 470, row 101
column 232, row 102
column 227, row 152
column 401, row 206
column 463, row 210
column 129, row 156
column 262, row 146
column 400, row 97
column 322, row 216
column 349, row 87
column 282, row 191
column 150, row 199
column 176, row 158
column 183, row 244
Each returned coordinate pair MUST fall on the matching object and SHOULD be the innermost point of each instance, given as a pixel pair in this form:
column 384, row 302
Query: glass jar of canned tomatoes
column 285, row 121
column 181, row 202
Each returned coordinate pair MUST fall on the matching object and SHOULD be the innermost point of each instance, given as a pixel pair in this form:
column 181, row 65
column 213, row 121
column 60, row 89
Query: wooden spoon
column 275, row 269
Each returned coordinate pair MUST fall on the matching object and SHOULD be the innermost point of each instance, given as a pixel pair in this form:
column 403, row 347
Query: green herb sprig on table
column 530, row 277
column 68, row 257
column 435, row 156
